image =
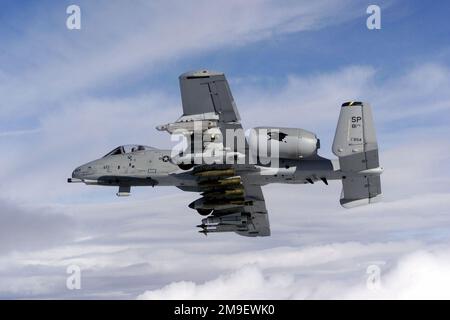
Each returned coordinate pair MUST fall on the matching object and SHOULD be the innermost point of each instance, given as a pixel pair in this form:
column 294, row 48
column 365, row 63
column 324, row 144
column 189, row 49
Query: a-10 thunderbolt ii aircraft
column 228, row 167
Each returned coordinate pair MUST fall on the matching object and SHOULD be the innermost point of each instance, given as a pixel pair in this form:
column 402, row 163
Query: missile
column 187, row 127
column 372, row 172
column 231, row 193
column 230, row 219
column 221, row 182
column 230, row 181
column 209, row 167
column 221, row 204
column 223, row 228
column 216, row 173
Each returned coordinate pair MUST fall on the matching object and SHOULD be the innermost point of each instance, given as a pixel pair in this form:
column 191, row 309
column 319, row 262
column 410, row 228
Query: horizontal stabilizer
column 358, row 191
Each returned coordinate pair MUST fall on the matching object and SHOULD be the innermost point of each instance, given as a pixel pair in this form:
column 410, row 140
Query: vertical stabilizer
column 355, row 144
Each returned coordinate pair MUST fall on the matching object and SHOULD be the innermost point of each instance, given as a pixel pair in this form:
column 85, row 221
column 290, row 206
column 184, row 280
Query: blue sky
column 412, row 31
column 33, row 35
column 71, row 96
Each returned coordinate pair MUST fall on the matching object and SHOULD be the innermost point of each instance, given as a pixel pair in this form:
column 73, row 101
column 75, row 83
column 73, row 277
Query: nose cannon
column 84, row 173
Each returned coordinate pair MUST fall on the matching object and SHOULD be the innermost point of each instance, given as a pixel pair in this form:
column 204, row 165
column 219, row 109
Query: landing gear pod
column 124, row 191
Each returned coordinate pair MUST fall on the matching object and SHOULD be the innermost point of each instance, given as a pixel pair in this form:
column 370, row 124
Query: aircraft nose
column 86, row 171
column 76, row 173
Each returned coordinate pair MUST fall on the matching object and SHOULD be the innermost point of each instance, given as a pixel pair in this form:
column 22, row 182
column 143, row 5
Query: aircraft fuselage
column 154, row 168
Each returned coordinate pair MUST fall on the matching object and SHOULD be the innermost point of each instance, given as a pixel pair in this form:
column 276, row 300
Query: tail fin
column 356, row 146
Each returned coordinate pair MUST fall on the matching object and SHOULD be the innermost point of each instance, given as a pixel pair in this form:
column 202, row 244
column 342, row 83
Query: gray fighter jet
column 228, row 166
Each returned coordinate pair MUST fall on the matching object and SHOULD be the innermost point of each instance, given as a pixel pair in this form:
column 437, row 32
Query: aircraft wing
column 208, row 103
column 249, row 216
column 206, row 91
column 259, row 217
column 234, row 203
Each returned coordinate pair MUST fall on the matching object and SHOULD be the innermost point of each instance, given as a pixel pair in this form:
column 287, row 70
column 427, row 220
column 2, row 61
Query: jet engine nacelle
column 287, row 143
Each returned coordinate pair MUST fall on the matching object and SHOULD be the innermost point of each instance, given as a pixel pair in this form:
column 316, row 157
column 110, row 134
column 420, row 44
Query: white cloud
column 246, row 283
column 84, row 129
column 315, row 99
column 420, row 275
column 141, row 245
column 18, row 133
column 21, row 228
column 130, row 246
column 118, row 42
column 312, row 101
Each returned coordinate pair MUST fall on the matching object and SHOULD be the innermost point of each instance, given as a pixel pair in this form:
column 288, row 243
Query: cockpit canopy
column 129, row 148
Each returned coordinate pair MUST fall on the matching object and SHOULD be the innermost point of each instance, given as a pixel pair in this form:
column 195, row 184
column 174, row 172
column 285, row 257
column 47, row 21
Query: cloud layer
column 79, row 95
column 420, row 275
column 122, row 42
